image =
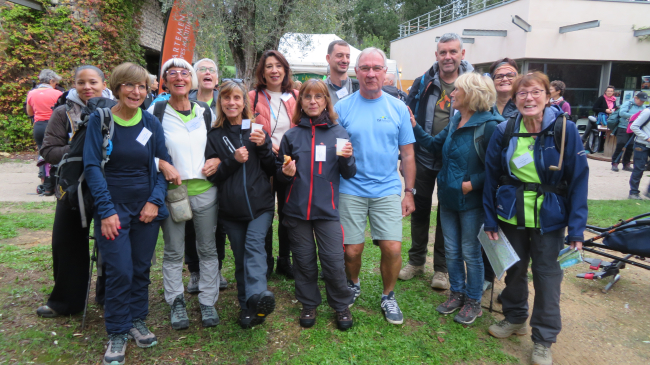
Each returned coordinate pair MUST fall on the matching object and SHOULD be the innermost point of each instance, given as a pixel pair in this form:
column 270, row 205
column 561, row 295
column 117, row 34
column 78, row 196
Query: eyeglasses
column 208, row 69
column 374, row 68
column 509, row 76
column 175, row 73
column 128, row 87
column 535, row 93
column 317, row 97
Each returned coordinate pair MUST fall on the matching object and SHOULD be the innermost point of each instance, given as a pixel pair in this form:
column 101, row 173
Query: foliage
column 104, row 33
column 643, row 37
column 377, row 22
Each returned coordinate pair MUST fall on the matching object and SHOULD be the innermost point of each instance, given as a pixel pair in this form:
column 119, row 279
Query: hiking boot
column 440, row 280
column 260, row 306
column 46, row 312
column 628, row 168
column 453, row 303
column 470, row 311
column 487, row 285
column 223, row 283
column 505, row 329
column 209, row 315
column 542, row 355
column 391, row 309
column 245, row 318
column 344, row 319
column 635, row 197
column 141, row 334
column 409, row 271
column 284, row 267
column 307, row 317
column 615, row 168
column 356, row 289
column 116, row 349
column 193, row 285
column 178, row 314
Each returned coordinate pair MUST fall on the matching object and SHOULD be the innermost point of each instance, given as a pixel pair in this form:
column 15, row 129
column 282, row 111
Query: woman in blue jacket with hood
column 460, row 185
column 129, row 196
column 532, row 198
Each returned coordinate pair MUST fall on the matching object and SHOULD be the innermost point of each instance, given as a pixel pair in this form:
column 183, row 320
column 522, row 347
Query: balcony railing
column 458, row 9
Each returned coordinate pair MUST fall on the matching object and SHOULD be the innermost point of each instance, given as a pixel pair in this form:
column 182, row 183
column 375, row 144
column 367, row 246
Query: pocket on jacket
column 553, row 210
column 506, row 201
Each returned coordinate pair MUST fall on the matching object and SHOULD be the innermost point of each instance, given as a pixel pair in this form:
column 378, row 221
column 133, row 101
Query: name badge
column 321, row 153
column 342, row 93
column 523, row 160
column 194, row 124
column 245, row 124
column 144, row 136
column 285, row 96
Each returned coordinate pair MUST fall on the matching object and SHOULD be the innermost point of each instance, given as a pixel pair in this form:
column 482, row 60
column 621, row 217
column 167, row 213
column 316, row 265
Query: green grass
column 605, row 213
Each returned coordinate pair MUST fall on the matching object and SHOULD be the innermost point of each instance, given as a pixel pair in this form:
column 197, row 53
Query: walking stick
column 93, row 258
column 623, row 150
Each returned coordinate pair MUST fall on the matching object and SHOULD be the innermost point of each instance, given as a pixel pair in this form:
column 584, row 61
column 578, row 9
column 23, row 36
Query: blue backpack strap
column 479, row 145
column 419, row 95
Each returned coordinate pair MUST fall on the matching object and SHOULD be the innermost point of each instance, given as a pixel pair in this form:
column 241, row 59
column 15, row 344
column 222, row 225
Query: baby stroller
column 629, row 237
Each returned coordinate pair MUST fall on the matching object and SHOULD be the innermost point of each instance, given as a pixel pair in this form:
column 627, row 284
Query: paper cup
column 255, row 127
column 340, row 143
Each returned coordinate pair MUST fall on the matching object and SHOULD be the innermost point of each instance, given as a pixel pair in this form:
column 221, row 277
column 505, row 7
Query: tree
column 377, row 22
column 414, row 8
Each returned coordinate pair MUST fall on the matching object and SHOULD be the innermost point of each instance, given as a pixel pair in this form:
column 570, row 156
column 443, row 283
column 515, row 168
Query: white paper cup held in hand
column 255, row 127
column 340, row 143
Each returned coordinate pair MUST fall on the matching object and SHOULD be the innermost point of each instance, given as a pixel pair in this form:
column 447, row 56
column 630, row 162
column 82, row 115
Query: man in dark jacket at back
column 390, row 88
column 430, row 102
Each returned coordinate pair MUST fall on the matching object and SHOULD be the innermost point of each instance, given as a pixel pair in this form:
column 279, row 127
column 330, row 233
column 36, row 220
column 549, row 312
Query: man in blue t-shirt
column 380, row 130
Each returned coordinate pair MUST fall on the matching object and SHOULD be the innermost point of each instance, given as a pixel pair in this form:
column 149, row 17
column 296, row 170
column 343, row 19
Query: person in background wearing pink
column 557, row 96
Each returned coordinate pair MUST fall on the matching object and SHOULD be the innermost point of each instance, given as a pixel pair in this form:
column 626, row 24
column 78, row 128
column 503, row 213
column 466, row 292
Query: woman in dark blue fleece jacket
column 129, row 205
column 460, row 186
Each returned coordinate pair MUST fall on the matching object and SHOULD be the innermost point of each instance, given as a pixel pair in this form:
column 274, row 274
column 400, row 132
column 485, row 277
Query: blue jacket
column 92, row 157
column 460, row 162
column 628, row 109
column 556, row 211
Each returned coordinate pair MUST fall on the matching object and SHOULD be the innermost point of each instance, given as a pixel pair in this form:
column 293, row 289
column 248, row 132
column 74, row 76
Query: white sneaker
column 440, row 280
column 409, row 271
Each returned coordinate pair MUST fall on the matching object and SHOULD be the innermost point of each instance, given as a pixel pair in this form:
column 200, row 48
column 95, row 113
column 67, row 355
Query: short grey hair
column 370, row 50
column 152, row 79
column 196, row 64
column 181, row 63
column 448, row 37
column 48, row 75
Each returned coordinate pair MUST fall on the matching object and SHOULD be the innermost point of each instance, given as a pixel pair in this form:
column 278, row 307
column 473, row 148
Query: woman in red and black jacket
column 311, row 205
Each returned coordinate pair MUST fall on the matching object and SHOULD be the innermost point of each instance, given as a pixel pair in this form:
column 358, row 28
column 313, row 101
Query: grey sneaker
column 453, row 303
column 440, row 280
column 141, row 334
column 209, row 315
column 635, row 197
column 505, row 329
column 391, row 309
column 193, row 285
column 542, row 355
column 223, row 283
column 116, row 349
column 179, row 314
column 409, row 271
column 470, row 311
column 356, row 289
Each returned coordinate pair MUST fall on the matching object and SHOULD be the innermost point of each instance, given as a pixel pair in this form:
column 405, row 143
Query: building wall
column 613, row 40
column 151, row 34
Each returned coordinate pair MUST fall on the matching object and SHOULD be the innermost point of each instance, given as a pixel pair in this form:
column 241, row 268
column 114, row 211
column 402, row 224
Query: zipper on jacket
column 290, row 188
column 241, row 141
column 311, row 176
column 332, row 186
column 320, row 168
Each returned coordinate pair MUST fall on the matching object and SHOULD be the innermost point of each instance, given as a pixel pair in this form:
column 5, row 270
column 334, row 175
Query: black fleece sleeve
column 285, row 149
column 228, row 166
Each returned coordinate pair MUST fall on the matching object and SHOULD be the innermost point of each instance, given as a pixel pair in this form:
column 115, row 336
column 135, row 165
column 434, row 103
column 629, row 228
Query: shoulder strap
column 509, row 131
column 294, row 95
column 557, row 131
column 479, row 145
column 207, row 114
column 159, row 109
column 419, row 94
column 108, row 127
column 257, row 94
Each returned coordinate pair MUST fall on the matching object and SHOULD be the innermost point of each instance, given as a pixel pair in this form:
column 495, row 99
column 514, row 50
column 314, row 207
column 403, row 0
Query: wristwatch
column 412, row 191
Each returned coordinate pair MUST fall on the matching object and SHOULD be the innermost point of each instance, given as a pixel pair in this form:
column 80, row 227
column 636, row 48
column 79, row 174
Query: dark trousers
column 128, row 262
column 283, row 238
column 488, row 272
column 39, row 134
column 621, row 139
column 329, row 237
column 640, row 160
column 425, row 182
column 543, row 249
column 247, row 243
column 192, row 256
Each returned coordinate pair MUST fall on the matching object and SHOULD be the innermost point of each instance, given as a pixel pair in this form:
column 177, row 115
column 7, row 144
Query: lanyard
column 272, row 113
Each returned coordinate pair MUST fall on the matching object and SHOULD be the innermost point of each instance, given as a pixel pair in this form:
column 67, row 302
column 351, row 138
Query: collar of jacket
column 323, row 120
column 551, row 113
column 434, row 72
column 477, row 118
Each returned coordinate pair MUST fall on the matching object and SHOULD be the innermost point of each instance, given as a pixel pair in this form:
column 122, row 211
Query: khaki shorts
column 385, row 218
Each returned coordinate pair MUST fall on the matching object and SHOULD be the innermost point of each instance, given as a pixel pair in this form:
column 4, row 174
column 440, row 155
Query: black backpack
column 71, row 187
column 556, row 132
column 159, row 111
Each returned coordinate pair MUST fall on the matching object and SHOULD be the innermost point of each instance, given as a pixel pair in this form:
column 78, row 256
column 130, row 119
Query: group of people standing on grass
column 329, row 153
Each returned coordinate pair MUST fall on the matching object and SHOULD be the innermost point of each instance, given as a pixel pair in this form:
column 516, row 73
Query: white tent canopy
column 306, row 53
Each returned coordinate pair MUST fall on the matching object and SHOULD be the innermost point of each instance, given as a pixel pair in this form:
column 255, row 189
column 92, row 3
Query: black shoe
column 452, row 304
column 284, row 267
column 470, row 311
column 46, row 312
column 628, row 168
column 307, row 317
column 260, row 306
column 245, row 318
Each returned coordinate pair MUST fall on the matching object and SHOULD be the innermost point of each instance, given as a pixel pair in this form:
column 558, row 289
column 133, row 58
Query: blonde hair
column 227, row 88
column 480, row 94
column 127, row 73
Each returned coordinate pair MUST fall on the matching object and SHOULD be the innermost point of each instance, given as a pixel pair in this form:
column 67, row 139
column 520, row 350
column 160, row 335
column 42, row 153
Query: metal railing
column 458, row 9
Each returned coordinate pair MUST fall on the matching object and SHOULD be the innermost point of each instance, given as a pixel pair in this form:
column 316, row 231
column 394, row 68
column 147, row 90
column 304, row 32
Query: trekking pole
column 559, row 165
column 93, row 258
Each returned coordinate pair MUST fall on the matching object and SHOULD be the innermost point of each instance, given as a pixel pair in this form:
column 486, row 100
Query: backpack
column 159, row 112
column 614, row 119
column 419, row 94
column 556, row 132
column 71, row 187
column 480, row 142
column 635, row 117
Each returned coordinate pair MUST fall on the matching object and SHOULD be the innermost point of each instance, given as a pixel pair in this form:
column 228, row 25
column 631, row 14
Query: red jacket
column 262, row 108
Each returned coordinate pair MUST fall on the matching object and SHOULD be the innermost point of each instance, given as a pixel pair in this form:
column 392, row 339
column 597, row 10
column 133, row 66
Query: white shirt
column 280, row 126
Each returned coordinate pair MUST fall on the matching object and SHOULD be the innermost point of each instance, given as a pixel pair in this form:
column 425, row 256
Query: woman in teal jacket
column 460, row 189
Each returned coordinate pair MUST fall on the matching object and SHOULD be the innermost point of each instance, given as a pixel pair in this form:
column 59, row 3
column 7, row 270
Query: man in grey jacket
column 430, row 102
column 641, row 129
column 338, row 82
